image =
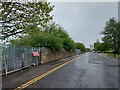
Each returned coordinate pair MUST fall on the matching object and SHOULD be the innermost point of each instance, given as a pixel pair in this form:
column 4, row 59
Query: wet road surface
column 90, row 70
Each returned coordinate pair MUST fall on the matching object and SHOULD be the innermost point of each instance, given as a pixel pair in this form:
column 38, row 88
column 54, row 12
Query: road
column 89, row 70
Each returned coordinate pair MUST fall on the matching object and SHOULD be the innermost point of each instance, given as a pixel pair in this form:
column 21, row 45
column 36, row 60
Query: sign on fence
column 35, row 54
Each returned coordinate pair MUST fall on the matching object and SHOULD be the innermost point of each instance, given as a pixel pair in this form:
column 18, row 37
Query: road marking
column 28, row 83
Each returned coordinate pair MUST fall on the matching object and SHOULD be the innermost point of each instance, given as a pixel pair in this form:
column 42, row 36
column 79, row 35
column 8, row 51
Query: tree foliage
column 112, row 34
column 88, row 49
column 54, row 37
column 102, row 47
column 18, row 19
column 80, row 46
column 59, row 32
column 40, row 40
column 29, row 24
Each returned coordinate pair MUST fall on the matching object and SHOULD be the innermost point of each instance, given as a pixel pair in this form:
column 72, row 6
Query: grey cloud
column 84, row 21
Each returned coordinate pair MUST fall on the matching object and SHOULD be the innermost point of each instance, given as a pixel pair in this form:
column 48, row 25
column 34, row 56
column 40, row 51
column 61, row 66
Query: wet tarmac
column 90, row 70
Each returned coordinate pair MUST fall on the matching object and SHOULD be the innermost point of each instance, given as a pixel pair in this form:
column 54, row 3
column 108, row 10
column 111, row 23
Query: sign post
column 36, row 56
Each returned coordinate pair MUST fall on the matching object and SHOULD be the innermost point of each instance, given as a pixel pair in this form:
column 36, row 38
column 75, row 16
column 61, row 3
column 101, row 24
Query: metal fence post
column 25, row 56
column 6, row 68
column 40, row 55
column 1, row 50
column 1, row 66
column 5, row 59
column 14, row 55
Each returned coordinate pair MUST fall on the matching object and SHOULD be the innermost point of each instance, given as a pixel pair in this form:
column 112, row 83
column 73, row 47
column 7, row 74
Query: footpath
column 15, row 79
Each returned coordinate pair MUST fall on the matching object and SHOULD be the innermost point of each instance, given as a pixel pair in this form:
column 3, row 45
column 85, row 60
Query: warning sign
column 35, row 54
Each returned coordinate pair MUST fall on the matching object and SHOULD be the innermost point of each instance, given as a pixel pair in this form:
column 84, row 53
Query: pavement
column 89, row 70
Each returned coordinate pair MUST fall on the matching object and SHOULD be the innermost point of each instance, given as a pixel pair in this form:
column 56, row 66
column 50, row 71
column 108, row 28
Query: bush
column 80, row 46
column 55, row 37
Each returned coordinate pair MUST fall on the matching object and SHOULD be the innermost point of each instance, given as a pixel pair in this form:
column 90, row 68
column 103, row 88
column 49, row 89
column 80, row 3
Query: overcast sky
column 84, row 20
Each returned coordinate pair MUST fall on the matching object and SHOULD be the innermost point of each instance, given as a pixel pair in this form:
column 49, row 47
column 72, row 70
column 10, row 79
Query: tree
column 68, row 44
column 40, row 40
column 112, row 35
column 88, row 49
column 54, row 37
column 80, row 46
column 58, row 31
column 20, row 19
column 102, row 47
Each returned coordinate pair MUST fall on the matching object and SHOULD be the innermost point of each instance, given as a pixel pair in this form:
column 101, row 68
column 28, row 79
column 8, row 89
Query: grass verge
column 111, row 54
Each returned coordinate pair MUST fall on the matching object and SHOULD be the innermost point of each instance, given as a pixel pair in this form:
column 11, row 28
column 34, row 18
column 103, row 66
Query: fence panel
column 17, row 57
column 29, row 56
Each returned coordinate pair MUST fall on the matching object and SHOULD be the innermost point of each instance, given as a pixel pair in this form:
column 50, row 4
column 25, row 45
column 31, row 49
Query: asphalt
column 90, row 70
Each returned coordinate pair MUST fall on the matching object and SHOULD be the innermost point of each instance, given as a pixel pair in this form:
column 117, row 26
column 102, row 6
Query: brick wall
column 48, row 55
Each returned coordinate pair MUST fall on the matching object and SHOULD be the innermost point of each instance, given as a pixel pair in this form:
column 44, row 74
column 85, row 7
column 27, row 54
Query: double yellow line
column 28, row 83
